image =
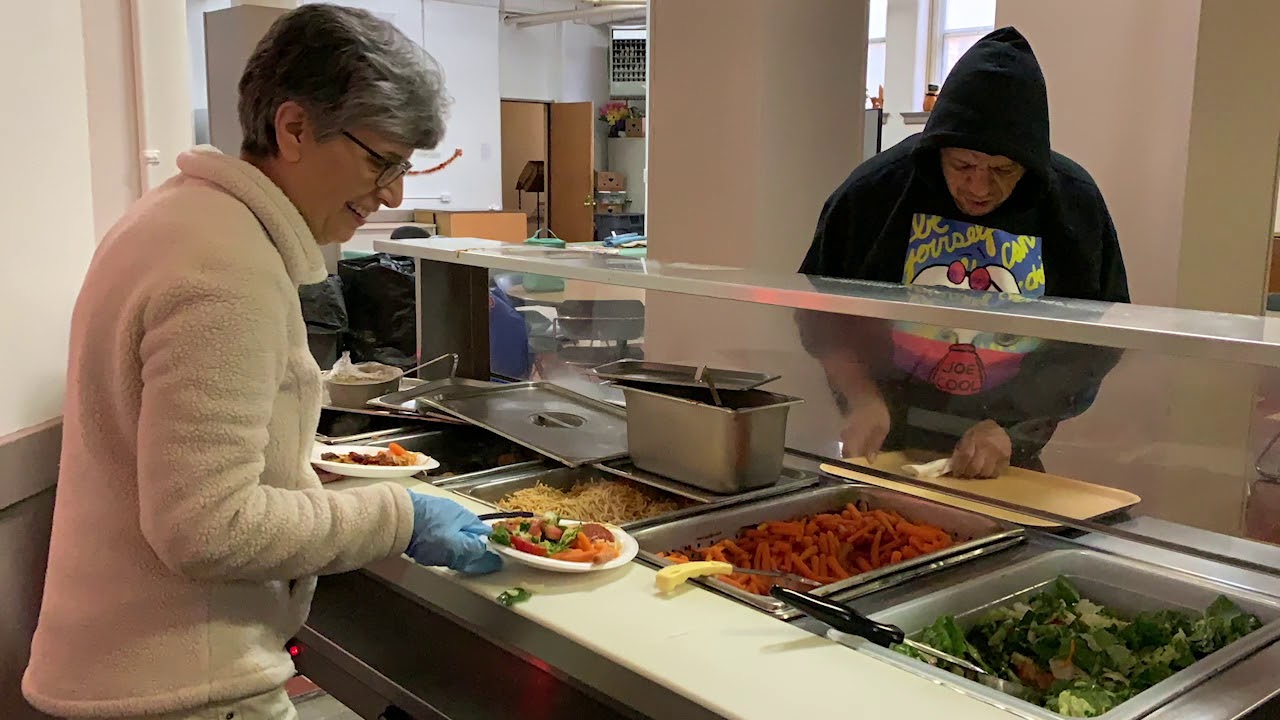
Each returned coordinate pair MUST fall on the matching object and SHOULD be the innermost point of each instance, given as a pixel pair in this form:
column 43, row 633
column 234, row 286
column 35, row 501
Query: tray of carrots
column 841, row 536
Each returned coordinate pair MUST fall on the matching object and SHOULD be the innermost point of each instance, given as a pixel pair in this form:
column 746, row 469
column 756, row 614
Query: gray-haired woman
column 189, row 524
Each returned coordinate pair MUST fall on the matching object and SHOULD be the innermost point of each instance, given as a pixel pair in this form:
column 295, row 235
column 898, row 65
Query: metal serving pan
column 492, row 486
column 462, row 450
column 644, row 371
column 561, row 424
column 406, row 399
column 491, row 489
column 1127, row 586
column 976, row 535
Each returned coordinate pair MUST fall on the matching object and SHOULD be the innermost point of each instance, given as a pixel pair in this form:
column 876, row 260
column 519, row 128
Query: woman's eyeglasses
column 391, row 169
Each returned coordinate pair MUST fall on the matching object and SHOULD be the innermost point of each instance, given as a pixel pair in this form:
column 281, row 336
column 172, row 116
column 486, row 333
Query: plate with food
column 363, row 461
column 552, row 543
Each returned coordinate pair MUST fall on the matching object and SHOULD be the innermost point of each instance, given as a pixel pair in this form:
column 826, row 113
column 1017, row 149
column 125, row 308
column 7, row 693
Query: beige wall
column 1173, row 111
column 739, row 167
column 743, row 152
column 1227, row 219
column 1121, row 109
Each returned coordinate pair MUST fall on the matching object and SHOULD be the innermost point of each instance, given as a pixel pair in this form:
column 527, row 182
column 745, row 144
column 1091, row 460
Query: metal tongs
column 851, row 622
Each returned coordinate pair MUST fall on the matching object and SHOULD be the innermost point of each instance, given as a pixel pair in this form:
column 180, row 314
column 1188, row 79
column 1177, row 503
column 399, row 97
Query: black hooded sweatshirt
column 894, row 220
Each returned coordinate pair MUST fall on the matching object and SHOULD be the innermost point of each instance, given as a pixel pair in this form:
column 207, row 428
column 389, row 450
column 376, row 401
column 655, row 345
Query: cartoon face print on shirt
column 967, row 257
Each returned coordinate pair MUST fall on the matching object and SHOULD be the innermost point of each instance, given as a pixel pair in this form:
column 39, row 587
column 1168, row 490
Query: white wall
column 163, row 87
column 484, row 61
column 113, row 114
column 530, row 62
column 584, row 64
column 195, row 39
column 47, row 184
column 906, row 53
column 464, row 40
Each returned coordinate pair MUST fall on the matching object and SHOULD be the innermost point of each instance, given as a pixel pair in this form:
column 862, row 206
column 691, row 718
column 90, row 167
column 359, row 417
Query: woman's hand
column 983, row 452
column 448, row 535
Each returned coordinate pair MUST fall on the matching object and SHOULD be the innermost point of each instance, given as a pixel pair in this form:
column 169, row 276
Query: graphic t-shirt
column 964, row 256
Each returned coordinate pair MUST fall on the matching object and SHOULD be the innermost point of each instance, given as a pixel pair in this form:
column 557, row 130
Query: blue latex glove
column 448, row 535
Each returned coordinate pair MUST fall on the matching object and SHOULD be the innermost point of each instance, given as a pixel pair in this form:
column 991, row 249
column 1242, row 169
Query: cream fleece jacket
column 189, row 525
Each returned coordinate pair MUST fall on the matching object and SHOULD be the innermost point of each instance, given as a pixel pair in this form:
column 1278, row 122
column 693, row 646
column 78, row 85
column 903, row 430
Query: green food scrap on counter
column 1084, row 657
column 514, row 596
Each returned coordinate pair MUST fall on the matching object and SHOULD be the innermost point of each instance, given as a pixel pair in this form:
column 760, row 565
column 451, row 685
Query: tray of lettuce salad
column 1094, row 635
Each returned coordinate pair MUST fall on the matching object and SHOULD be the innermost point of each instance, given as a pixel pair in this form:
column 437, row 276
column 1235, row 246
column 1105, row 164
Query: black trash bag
column 325, row 312
column 381, row 300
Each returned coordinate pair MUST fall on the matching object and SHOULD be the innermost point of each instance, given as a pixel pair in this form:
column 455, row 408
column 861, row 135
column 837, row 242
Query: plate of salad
column 552, row 543
column 1084, row 658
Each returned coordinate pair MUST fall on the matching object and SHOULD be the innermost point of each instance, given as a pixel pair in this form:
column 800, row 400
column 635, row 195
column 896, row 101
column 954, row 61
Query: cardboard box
column 634, row 128
column 501, row 225
column 610, row 182
column 426, row 217
column 610, row 208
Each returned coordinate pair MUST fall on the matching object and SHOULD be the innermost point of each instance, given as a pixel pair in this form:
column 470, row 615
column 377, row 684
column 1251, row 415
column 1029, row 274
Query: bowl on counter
column 357, row 395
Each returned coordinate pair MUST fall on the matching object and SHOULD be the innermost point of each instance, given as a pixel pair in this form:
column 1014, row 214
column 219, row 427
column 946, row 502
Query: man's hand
column 866, row 428
column 983, row 452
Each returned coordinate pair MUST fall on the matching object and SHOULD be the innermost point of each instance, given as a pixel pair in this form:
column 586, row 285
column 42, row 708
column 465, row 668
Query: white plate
column 628, row 548
column 425, row 463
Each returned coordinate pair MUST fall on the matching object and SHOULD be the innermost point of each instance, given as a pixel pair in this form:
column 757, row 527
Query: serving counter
column 399, row 640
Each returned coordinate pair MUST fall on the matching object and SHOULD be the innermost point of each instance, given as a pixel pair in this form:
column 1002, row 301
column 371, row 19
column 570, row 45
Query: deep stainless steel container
column 975, row 535
column 725, row 449
column 1124, row 585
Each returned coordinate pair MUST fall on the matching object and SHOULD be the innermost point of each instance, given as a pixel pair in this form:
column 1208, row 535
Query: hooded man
column 978, row 202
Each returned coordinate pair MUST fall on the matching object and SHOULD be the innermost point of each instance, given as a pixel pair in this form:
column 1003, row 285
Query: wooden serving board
column 1059, row 495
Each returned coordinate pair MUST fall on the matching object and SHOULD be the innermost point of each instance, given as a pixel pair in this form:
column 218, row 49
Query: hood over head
column 994, row 101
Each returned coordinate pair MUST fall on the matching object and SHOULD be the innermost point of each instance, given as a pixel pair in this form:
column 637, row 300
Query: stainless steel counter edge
column 1198, row 334
column 515, row 633
column 1235, row 694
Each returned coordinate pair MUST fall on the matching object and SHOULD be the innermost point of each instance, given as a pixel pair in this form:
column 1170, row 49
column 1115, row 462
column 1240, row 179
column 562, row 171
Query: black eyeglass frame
column 391, row 169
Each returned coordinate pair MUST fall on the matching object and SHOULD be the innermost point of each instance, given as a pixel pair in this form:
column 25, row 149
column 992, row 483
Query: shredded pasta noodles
column 608, row 501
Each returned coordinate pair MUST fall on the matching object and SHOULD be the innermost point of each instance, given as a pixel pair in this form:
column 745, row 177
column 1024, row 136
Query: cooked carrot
column 605, row 551
column 575, row 555
column 826, row 547
column 582, row 542
column 396, row 450
column 800, row 568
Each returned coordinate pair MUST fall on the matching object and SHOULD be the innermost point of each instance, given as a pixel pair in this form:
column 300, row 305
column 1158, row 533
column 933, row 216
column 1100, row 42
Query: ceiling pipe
column 622, row 11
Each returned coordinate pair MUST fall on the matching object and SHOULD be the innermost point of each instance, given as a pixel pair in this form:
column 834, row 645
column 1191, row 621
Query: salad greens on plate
column 1084, row 657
